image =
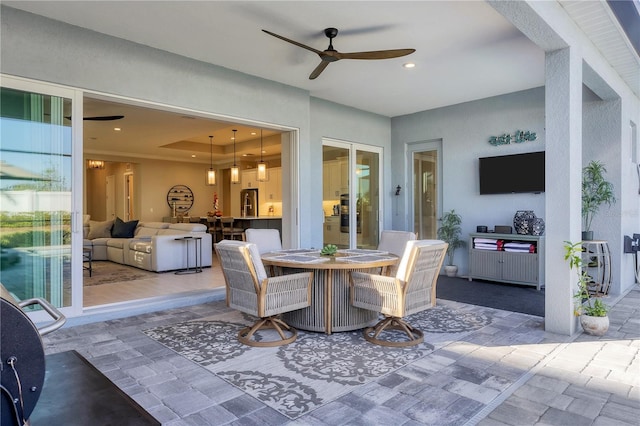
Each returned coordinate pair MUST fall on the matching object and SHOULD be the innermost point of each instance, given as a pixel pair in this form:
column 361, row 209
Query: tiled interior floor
column 161, row 284
column 554, row 380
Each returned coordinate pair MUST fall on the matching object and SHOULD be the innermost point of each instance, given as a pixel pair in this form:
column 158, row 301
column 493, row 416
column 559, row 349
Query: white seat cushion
column 267, row 240
column 394, row 241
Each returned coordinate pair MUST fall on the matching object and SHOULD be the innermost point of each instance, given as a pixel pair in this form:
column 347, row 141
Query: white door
column 111, row 197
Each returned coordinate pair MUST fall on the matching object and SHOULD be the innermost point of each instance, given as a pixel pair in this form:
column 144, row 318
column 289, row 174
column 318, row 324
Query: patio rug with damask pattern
column 315, row 369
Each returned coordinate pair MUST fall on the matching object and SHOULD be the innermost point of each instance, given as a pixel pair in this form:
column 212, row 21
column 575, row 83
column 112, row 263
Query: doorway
column 351, row 194
column 425, row 161
column 129, row 202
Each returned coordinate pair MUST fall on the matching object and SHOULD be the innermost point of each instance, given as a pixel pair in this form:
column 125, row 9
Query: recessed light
column 117, row 129
column 253, row 133
column 193, row 156
column 409, row 65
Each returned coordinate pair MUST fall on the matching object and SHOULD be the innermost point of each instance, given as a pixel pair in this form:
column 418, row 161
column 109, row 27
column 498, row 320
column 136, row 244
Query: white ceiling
column 465, row 50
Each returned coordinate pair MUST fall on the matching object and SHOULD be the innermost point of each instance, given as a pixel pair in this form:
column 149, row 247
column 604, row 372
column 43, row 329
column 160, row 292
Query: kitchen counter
column 257, row 217
column 259, row 222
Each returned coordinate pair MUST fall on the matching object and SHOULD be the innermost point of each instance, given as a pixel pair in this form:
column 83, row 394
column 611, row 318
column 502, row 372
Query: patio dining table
column 331, row 309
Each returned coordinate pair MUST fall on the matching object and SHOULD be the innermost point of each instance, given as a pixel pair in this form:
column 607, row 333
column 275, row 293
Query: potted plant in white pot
column 591, row 310
column 449, row 232
column 596, row 191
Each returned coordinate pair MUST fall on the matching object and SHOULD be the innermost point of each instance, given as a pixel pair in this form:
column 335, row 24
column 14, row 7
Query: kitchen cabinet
column 332, row 230
column 271, row 190
column 248, row 179
column 335, row 179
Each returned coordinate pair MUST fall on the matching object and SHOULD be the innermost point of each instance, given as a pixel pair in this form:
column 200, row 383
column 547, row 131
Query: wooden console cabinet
column 508, row 267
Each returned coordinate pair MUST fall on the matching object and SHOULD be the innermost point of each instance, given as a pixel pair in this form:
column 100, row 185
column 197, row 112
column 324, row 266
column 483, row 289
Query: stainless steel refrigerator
column 249, row 203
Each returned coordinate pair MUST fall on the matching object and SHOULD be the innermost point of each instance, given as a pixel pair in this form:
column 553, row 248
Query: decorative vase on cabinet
column 523, row 220
column 537, row 226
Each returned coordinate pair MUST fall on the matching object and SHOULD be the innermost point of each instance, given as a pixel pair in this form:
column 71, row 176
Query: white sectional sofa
column 154, row 246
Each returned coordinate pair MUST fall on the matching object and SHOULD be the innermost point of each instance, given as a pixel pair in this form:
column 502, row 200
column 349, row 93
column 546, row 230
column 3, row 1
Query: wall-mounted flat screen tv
column 512, row 173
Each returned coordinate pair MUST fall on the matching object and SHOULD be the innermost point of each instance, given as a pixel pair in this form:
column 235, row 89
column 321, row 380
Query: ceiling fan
column 331, row 55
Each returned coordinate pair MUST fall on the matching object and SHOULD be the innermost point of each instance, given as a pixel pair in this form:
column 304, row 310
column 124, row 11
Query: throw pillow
column 99, row 229
column 123, row 229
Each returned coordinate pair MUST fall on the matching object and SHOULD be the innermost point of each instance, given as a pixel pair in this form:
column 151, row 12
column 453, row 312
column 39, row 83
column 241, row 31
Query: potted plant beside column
column 449, row 232
column 591, row 310
column 596, row 191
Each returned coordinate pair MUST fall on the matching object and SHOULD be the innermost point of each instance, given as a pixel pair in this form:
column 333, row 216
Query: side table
column 197, row 241
column 596, row 262
column 87, row 257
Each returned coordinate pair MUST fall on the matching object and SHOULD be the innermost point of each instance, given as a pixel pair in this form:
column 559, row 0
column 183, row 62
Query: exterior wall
column 465, row 130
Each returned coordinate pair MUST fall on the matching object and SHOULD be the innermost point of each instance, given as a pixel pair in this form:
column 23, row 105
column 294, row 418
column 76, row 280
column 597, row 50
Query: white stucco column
column 563, row 121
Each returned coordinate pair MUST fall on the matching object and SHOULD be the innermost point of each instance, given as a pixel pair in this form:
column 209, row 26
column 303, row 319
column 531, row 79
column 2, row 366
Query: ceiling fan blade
column 293, row 42
column 104, row 118
column 319, row 69
column 378, row 54
column 100, row 118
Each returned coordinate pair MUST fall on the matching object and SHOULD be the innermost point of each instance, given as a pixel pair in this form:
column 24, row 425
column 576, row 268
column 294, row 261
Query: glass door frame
column 353, row 148
column 77, row 170
column 412, row 148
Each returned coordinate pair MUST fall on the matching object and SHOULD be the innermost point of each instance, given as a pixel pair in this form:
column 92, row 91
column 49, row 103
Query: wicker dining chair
column 249, row 290
column 413, row 289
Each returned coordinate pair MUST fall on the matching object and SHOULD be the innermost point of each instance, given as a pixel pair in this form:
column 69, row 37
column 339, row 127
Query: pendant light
column 211, row 174
column 235, row 172
column 262, row 166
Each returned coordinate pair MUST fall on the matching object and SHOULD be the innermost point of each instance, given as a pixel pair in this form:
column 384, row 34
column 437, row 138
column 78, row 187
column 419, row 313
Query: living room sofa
column 153, row 247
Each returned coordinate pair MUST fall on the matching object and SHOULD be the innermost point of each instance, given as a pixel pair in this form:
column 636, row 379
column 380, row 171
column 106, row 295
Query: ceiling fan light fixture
column 262, row 166
column 235, row 172
column 211, row 174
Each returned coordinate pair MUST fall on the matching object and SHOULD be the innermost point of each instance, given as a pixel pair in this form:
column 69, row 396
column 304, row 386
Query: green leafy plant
column 584, row 303
column 596, row 191
column 329, row 250
column 449, row 232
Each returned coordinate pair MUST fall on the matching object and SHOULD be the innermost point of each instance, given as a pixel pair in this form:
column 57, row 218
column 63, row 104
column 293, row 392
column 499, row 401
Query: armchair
column 413, row 289
column 249, row 290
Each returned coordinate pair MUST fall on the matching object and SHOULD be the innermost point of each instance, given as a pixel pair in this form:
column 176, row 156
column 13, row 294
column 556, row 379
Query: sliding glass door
column 36, row 187
column 351, row 194
column 426, row 171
